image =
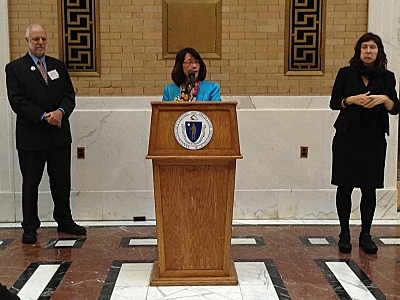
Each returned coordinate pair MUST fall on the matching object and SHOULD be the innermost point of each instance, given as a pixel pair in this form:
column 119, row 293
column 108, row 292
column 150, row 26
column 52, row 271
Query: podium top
column 214, row 135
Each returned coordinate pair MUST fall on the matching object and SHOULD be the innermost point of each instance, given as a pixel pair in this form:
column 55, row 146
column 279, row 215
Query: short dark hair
column 177, row 74
column 381, row 60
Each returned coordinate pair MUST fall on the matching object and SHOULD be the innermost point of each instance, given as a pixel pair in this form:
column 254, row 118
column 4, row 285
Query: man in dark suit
column 41, row 93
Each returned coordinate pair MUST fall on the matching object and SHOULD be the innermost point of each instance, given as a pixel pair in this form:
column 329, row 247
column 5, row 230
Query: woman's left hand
column 373, row 100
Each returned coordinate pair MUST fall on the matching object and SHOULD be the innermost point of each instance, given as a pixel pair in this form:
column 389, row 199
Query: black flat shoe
column 367, row 244
column 344, row 243
column 29, row 237
column 72, row 228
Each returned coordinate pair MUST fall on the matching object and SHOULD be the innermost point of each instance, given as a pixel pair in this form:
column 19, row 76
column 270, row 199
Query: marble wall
column 114, row 181
column 384, row 20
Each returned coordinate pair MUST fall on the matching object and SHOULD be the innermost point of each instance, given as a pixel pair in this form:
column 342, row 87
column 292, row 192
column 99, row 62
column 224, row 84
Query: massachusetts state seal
column 193, row 130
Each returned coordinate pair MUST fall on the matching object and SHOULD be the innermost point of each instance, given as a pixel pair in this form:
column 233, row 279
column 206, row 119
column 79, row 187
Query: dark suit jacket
column 349, row 83
column 30, row 97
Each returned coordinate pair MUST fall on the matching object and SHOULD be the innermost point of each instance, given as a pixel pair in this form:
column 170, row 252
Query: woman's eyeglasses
column 189, row 63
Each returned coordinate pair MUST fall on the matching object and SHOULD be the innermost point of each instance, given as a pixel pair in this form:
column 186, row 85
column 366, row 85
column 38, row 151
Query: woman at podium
column 189, row 75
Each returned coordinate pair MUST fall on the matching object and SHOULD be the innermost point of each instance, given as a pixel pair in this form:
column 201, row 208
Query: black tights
column 367, row 207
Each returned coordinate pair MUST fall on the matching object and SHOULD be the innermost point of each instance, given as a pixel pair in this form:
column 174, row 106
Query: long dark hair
column 177, row 74
column 381, row 60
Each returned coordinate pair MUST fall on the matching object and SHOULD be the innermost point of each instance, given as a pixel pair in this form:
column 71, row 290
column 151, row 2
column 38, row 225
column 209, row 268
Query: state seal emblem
column 193, row 130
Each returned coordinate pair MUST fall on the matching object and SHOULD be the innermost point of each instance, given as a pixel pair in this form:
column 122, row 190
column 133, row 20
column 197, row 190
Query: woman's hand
column 374, row 100
column 369, row 101
column 360, row 99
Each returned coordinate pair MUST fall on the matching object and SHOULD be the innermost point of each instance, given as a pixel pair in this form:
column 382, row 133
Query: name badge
column 53, row 74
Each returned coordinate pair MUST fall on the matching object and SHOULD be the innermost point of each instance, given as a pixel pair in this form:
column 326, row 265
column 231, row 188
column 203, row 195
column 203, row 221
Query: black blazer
column 348, row 83
column 30, row 97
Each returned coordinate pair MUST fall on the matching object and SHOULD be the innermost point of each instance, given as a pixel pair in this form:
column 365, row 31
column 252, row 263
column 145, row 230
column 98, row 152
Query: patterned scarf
column 189, row 93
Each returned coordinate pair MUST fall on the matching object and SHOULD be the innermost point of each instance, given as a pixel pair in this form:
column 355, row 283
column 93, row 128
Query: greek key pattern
column 305, row 35
column 79, row 35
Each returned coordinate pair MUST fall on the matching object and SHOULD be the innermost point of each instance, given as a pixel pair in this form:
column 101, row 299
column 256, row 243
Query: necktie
column 42, row 70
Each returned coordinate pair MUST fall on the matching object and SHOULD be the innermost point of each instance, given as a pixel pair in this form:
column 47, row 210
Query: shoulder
column 170, row 92
column 54, row 61
column 171, row 86
column 389, row 74
column 209, row 84
column 19, row 61
column 345, row 70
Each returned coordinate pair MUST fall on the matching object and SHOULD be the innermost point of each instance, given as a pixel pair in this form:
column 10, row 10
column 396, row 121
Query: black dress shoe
column 344, row 243
column 6, row 294
column 71, row 228
column 29, row 237
column 367, row 244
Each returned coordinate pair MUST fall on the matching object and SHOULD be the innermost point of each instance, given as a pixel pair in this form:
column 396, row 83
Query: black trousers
column 367, row 207
column 32, row 165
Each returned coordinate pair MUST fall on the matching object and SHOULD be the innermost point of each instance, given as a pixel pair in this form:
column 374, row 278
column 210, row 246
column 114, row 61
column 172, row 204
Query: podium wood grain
column 194, row 192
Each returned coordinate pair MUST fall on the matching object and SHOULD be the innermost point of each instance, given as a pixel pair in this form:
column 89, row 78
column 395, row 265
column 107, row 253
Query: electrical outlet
column 303, row 152
column 80, row 152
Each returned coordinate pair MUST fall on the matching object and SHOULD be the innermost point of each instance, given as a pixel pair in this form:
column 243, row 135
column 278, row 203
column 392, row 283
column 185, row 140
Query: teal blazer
column 208, row 91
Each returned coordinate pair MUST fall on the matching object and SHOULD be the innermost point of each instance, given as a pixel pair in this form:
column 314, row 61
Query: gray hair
column 29, row 27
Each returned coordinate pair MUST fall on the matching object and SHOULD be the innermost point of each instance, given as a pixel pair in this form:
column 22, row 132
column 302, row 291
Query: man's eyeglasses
column 189, row 63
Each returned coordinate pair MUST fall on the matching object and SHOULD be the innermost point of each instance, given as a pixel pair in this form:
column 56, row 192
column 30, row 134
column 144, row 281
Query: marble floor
column 273, row 260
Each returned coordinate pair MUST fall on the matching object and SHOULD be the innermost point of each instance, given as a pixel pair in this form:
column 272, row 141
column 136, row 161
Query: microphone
column 191, row 76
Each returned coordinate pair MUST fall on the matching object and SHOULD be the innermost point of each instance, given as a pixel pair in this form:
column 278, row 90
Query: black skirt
column 358, row 158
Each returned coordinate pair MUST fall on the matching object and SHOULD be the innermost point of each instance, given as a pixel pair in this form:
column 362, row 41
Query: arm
column 208, row 91
column 170, row 92
column 389, row 100
column 67, row 103
column 19, row 102
column 215, row 93
column 341, row 96
column 337, row 95
column 165, row 94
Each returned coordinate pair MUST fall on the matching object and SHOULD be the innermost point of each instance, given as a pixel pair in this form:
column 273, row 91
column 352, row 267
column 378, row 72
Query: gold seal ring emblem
column 193, row 130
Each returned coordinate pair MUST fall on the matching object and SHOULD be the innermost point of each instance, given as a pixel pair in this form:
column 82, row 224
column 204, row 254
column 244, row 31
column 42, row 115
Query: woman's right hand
column 361, row 99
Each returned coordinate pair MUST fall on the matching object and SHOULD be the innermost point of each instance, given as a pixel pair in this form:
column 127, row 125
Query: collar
column 35, row 59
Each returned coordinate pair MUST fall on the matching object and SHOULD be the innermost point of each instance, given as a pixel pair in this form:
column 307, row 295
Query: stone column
column 7, row 149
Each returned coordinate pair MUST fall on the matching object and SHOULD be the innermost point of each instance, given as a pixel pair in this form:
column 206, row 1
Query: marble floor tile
column 349, row 281
column 273, row 261
column 143, row 242
column 38, row 281
column 390, row 241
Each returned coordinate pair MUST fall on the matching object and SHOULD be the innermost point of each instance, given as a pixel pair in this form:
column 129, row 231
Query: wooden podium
column 194, row 191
